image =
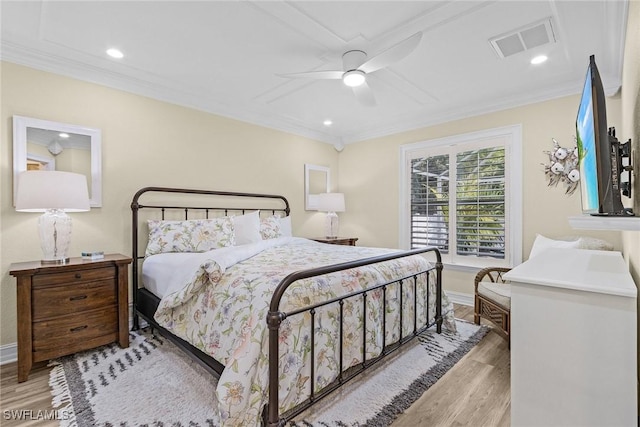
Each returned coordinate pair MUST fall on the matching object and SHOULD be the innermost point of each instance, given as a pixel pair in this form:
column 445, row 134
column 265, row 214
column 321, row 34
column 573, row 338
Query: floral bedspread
column 222, row 310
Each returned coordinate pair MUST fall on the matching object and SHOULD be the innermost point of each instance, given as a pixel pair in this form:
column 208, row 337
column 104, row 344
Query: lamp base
column 54, row 227
column 331, row 225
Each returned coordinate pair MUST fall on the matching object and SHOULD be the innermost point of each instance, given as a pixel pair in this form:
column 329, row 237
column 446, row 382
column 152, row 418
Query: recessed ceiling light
column 63, row 135
column 539, row 59
column 327, row 122
column 115, row 53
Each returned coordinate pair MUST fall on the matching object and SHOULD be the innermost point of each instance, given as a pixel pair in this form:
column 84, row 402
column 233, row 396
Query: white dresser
column 573, row 340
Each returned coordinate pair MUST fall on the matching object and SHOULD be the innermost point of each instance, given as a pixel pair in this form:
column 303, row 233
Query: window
column 462, row 194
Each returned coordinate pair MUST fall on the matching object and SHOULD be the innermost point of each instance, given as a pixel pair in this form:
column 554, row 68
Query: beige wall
column 631, row 127
column 147, row 142
column 369, row 176
column 144, row 142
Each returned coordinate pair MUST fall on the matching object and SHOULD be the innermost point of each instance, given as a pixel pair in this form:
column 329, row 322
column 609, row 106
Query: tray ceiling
column 227, row 57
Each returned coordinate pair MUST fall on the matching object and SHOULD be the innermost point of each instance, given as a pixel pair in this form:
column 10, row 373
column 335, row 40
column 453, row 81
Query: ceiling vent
column 524, row 38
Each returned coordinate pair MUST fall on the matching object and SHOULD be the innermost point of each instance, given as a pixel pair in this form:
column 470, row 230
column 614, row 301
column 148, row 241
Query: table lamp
column 54, row 193
column 331, row 203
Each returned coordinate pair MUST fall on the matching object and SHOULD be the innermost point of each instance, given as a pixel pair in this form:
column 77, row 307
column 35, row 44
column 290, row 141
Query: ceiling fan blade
column 393, row 54
column 321, row 75
column 364, row 95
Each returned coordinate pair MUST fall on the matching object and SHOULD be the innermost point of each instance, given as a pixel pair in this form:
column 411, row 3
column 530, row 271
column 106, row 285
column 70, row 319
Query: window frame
column 511, row 138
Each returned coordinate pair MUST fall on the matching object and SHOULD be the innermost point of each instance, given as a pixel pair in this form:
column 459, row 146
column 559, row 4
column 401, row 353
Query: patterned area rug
column 153, row 383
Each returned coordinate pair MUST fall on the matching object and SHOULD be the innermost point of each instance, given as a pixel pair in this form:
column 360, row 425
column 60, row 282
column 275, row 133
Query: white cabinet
column 573, row 340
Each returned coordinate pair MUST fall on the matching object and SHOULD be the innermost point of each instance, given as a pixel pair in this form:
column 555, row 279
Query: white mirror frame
column 20, row 125
column 311, row 200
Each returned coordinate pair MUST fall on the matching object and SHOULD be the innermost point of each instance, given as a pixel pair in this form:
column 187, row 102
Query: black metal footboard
column 216, row 203
column 275, row 317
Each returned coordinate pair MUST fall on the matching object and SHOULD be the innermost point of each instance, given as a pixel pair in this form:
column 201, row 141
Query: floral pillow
column 195, row 235
column 270, row 228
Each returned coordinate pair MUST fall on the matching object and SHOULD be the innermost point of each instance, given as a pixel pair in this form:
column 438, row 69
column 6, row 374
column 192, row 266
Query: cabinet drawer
column 70, row 277
column 63, row 300
column 73, row 330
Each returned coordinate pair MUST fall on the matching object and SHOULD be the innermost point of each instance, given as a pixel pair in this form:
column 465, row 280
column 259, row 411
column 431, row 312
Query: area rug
column 153, row 383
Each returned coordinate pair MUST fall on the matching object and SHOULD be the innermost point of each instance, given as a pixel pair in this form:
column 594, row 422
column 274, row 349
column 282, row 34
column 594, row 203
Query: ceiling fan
column 356, row 67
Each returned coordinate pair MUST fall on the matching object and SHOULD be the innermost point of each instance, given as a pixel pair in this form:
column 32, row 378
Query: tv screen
column 586, row 141
column 598, row 150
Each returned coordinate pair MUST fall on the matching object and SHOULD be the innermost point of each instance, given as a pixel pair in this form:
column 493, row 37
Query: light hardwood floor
column 475, row 392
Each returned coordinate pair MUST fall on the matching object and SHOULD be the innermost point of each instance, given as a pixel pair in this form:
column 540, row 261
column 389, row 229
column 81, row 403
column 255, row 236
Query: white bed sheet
column 163, row 274
column 159, row 271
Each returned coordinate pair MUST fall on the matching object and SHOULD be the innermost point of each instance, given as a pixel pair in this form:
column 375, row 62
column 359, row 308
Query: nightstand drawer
column 72, row 331
column 70, row 277
column 71, row 307
column 62, row 300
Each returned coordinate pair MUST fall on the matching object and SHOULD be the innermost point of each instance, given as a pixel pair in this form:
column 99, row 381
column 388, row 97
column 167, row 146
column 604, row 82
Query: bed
column 283, row 320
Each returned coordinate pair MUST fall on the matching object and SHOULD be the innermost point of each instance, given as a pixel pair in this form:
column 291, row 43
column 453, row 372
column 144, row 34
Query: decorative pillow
column 285, row 227
column 270, row 228
column 247, row 228
column 543, row 243
column 591, row 243
column 195, row 235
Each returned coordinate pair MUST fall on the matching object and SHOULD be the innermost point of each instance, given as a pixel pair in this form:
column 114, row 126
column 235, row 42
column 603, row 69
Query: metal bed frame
column 146, row 303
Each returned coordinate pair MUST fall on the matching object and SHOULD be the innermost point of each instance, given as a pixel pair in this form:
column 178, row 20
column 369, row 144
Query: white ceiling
column 226, row 57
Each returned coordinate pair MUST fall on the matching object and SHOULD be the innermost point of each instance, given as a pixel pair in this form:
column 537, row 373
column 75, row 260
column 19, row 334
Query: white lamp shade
column 39, row 191
column 331, row 202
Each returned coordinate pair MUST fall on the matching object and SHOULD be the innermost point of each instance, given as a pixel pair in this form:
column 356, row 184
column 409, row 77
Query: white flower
column 557, row 168
column 574, row 175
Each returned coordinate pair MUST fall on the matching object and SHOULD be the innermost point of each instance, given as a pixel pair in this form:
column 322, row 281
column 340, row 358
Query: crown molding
column 24, row 55
column 419, row 121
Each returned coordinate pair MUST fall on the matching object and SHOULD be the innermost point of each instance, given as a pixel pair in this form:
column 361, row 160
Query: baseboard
column 460, row 298
column 8, row 353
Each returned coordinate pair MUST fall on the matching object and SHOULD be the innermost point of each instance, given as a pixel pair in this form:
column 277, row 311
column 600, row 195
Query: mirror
column 45, row 145
column 316, row 181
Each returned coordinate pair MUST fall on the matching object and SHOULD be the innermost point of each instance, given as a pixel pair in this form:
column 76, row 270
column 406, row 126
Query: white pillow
column 542, row 243
column 247, row 228
column 285, row 227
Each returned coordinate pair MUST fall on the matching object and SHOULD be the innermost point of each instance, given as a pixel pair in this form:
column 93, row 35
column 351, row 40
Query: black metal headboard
column 204, row 202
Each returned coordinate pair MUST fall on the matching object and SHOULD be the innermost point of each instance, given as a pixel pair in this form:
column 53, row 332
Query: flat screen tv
column 598, row 151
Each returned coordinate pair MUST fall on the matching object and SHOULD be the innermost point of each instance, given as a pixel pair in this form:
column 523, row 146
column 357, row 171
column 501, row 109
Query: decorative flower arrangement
column 563, row 167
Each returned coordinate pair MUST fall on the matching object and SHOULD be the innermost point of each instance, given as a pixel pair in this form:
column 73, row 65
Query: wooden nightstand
column 63, row 309
column 347, row 241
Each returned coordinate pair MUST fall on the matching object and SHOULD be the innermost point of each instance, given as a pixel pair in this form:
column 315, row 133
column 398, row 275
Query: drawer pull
column 78, row 276
column 78, row 328
column 78, row 297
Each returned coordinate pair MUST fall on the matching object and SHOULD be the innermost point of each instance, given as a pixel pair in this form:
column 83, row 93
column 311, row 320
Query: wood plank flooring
column 475, row 392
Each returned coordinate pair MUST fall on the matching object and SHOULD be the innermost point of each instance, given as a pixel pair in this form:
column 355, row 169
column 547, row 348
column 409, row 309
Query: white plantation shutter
column 463, row 195
column 480, row 203
column 430, row 202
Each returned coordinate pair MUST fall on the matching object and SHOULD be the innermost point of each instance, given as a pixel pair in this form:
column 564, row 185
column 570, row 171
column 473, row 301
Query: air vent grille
column 524, row 38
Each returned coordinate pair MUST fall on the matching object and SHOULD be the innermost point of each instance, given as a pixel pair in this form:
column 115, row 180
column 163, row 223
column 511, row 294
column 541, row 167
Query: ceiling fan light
column 353, row 78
